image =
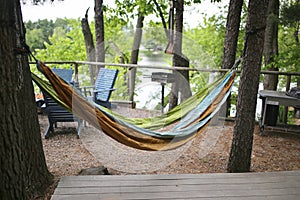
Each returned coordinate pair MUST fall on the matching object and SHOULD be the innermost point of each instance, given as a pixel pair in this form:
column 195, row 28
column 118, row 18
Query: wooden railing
column 77, row 64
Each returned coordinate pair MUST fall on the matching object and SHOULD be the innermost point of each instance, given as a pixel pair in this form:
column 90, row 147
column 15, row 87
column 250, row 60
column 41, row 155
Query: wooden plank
column 194, row 194
column 172, row 188
column 97, row 197
column 187, row 176
column 273, row 185
column 218, row 192
column 174, row 196
column 163, row 182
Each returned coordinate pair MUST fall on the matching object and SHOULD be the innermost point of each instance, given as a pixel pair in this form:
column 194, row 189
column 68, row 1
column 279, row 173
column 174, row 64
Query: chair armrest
column 96, row 91
column 104, row 94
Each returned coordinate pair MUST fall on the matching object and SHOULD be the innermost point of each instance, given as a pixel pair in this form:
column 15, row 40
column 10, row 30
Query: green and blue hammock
column 192, row 115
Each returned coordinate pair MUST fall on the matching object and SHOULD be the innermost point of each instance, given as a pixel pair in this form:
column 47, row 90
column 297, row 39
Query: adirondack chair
column 55, row 112
column 103, row 88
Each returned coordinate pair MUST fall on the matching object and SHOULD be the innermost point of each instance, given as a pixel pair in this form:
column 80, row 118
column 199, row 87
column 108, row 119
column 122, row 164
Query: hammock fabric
column 131, row 132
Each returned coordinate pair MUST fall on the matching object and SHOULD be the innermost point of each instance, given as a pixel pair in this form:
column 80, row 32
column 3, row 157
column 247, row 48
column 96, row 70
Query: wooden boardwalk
column 222, row 186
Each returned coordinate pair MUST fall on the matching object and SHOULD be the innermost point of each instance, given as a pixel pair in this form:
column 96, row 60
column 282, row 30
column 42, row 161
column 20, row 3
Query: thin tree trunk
column 181, row 77
column 161, row 15
column 232, row 33
column 241, row 148
column 99, row 31
column 230, row 42
column 89, row 45
column 135, row 54
column 23, row 169
column 271, row 45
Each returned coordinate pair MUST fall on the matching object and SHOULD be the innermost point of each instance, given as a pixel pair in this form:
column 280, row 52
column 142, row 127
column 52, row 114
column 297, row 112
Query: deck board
column 268, row 185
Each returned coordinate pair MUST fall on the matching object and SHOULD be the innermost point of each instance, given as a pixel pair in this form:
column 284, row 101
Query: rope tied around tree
column 250, row 32
column 25, row 50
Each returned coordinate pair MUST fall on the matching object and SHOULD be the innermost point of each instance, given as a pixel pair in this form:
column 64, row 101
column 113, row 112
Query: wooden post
column 162, row 97
column 131, row 83
column 287, row 88
column 76, row 72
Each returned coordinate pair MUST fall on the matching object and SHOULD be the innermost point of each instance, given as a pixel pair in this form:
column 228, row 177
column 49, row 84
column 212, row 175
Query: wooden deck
column 223, row 186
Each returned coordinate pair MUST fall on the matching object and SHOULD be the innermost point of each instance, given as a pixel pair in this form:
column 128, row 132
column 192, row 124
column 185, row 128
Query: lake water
column 148, row 93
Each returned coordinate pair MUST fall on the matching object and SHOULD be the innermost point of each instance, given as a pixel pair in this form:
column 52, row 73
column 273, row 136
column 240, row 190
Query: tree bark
column 23, row 169
column 230, row 43
column 182, row 77
column 271, row 45
column 135, row 54
column 163, row 21
column 99, row 31
column 89, row 45
column 232, row 33
column 241, row 148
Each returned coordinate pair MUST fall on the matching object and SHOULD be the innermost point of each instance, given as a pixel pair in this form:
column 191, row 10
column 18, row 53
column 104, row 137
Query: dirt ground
column 66, row 155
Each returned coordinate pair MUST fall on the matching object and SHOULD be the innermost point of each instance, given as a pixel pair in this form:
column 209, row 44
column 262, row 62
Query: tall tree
column 241, row 148
column 179, row 59
column 23, row 169
column 232, row 33
column 135, row 53
column 95, row 52
column 271, row 45
column 231, row 41
column 89, row 45
column 182, row 77
column 99, row 32
column 143, row 9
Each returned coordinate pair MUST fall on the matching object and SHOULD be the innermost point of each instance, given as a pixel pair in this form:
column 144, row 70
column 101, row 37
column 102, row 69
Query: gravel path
column 66, row 155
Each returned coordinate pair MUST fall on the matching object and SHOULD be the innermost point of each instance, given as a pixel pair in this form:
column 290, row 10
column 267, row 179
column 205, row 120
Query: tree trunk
column 89, row 45
column 99, row 31
column 230, row 43
column 241, row 148
column 271, row 45
column 182, row 77
column 161, row 15
column 23, row 169
column 135, row 54
column 232, row 33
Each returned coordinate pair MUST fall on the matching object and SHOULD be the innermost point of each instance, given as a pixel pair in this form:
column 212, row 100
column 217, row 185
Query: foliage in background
column 62, row 40
column 154, row 38
column 38, row 33
column 203, row 46
column 289, row 54
column 288, row 41
column 66, row 43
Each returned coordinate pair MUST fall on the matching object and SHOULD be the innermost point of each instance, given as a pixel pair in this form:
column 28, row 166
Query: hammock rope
column 137, row 132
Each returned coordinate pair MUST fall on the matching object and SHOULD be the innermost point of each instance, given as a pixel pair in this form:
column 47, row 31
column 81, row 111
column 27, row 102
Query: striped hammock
column 192, row 115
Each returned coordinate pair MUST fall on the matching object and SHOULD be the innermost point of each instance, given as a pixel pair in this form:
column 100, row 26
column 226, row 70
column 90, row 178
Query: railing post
column 76, row 72
column 288, row 83
column 287, row 88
